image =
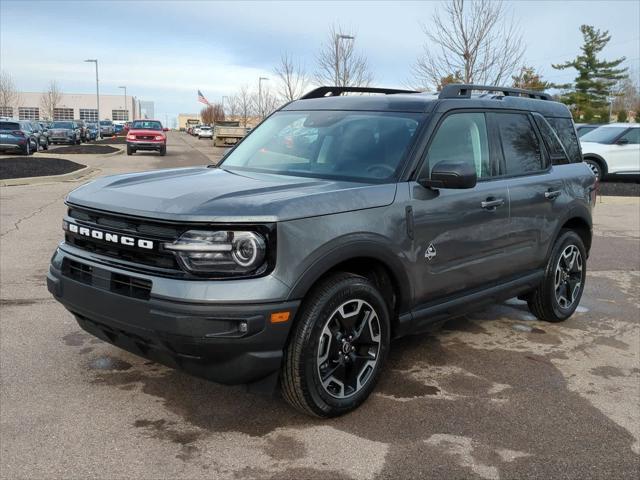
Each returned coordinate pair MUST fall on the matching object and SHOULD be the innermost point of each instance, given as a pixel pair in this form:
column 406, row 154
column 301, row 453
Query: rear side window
column 567, row 135
column 551, row 141
column 632, row 137
column 520, row 145
column 462, row 137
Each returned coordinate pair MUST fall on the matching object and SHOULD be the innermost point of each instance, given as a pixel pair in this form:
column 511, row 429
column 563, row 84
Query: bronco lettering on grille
column 108, row 237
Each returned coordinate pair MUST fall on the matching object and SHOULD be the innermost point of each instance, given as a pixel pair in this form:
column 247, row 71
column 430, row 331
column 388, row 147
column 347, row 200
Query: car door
column 624, row 155
column 536, row 190
column 459, row 235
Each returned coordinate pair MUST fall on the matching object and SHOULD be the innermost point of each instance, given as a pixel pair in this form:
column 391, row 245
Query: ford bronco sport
column 339, row 223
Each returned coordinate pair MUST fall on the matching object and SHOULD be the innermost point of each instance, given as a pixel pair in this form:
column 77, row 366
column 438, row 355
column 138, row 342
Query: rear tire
column 27, row 149
column 337, row 348
column 559, row 294
column 46, row 145
column 596, row 167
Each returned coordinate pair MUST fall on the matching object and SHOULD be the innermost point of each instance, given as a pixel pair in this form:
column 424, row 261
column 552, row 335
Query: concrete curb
column 65, row 177
column 99, row 155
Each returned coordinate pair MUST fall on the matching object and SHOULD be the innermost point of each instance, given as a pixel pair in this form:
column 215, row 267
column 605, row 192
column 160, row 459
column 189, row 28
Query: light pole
column 223, row 97
column 97, row 95
column 126, row 109
column 260, row 109
column 337, row 72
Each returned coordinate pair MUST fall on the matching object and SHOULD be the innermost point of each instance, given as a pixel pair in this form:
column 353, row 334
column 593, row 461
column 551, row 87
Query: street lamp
column 260, row 109
column 223, row 97
column 99, row 137
column 338, row 38
column 126, row 109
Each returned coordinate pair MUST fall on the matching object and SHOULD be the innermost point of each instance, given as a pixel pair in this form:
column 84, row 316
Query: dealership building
column 82, row 106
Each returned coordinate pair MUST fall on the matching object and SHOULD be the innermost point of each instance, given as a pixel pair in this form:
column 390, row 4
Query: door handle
column 552, row 194
column 489, row 204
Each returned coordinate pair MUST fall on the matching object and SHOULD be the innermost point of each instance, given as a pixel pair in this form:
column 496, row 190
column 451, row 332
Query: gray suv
column 338, row 224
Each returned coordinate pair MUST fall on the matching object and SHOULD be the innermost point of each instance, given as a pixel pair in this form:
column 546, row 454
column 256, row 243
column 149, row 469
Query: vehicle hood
column 593, row 147
column 204, row 194
column 143, row 131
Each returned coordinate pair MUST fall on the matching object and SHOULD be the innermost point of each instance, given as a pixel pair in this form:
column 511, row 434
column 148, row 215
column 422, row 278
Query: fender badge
column 430, row 253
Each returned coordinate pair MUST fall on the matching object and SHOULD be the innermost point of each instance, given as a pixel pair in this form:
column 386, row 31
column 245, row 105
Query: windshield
column 603, row 134
column 62, row 125
column 328, row 144
column 106, row 123
column 146, row 125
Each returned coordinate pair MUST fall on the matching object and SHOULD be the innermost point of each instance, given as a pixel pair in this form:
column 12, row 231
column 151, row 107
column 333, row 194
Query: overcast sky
column 164, row 51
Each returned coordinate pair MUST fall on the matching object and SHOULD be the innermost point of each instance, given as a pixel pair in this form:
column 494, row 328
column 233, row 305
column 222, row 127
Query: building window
column 29, row 113
column 120, row 115
column 89, row 114
column 6, row 112
column 63, row 113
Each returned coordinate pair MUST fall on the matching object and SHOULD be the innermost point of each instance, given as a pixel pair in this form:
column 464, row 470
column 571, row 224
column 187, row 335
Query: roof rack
column 460, row 90
column 336, row 91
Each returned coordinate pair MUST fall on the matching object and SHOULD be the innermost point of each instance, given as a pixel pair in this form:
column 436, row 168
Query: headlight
column 229, row 253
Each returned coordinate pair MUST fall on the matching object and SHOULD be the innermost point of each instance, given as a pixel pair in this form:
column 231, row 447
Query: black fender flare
column 353, row 247
column 577, row 210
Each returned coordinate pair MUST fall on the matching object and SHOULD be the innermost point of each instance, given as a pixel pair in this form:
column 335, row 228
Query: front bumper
column 224, row 342
column 145, row 145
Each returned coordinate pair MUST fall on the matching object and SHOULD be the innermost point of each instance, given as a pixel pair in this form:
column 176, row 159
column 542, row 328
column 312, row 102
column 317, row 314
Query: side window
column 462, row 137
column 632, row 137
column 551, row 141
column 567, row 135
column 522, row 153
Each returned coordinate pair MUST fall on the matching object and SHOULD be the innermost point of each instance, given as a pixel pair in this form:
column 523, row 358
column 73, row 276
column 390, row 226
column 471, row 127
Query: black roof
column 416, row 102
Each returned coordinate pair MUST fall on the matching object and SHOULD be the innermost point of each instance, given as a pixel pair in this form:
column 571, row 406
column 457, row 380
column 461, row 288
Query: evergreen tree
column 596, row 77
column 529, row 79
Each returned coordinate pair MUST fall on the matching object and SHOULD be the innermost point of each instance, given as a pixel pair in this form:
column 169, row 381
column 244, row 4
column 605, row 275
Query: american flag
column 201, row 98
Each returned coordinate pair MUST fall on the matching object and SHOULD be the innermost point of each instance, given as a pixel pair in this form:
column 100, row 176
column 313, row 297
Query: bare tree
column 338, row 63
column 9, row 96
column 245, row 104
column 51, row 99
column 293, row 78
column 218, row 112
column 207, row 115
column 472, row 39
column 232, row 106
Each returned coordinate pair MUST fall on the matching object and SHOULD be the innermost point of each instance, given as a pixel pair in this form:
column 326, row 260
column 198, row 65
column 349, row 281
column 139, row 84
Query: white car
column 196, row 130
column 613, row 149
column 205, row 132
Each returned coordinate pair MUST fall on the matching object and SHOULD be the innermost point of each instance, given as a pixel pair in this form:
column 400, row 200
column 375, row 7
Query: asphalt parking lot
column 496, row 394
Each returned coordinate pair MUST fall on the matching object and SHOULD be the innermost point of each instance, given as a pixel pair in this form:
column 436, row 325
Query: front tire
column 337, row 348
column 163, row 150
column 559, row 294
column 130, row 151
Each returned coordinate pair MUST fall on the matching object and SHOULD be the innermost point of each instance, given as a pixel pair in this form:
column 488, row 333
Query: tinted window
column 567, row 135
column 146, row 125
column 551, row 141
column 632, row 136
column 9, row 126
column 582, row 131
column 62, row 125
column 329, row 144
column 603, row 135
column 462, row 137
column 520, row 144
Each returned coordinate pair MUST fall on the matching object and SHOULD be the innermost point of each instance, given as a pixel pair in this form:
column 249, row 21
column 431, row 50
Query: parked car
column 296, row 265
column 127, row 126
column 64, row 131
column 613, row 149
column 205, row 132
column 228, row 133
column 41, row 134
column 118, row 128
column 82, row 126
column 18, row 135
column 106, row 128
column 147, row 135
column 584, row 128
column 92, row 130
column 196, row 130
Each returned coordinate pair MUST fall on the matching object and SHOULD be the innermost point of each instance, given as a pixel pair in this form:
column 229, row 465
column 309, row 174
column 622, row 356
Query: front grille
column 155, row 231
column 145, row 137
column 105, row 280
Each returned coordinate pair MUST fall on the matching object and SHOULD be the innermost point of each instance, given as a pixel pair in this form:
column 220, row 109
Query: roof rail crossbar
column 321, row 92
column 459, row 90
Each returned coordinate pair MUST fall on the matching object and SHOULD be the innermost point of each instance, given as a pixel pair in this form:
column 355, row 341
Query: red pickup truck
column 146, row 135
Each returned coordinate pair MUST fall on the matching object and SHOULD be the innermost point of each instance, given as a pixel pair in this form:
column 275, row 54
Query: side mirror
column 451, row 174
column 622, row 141
column 165, row 129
